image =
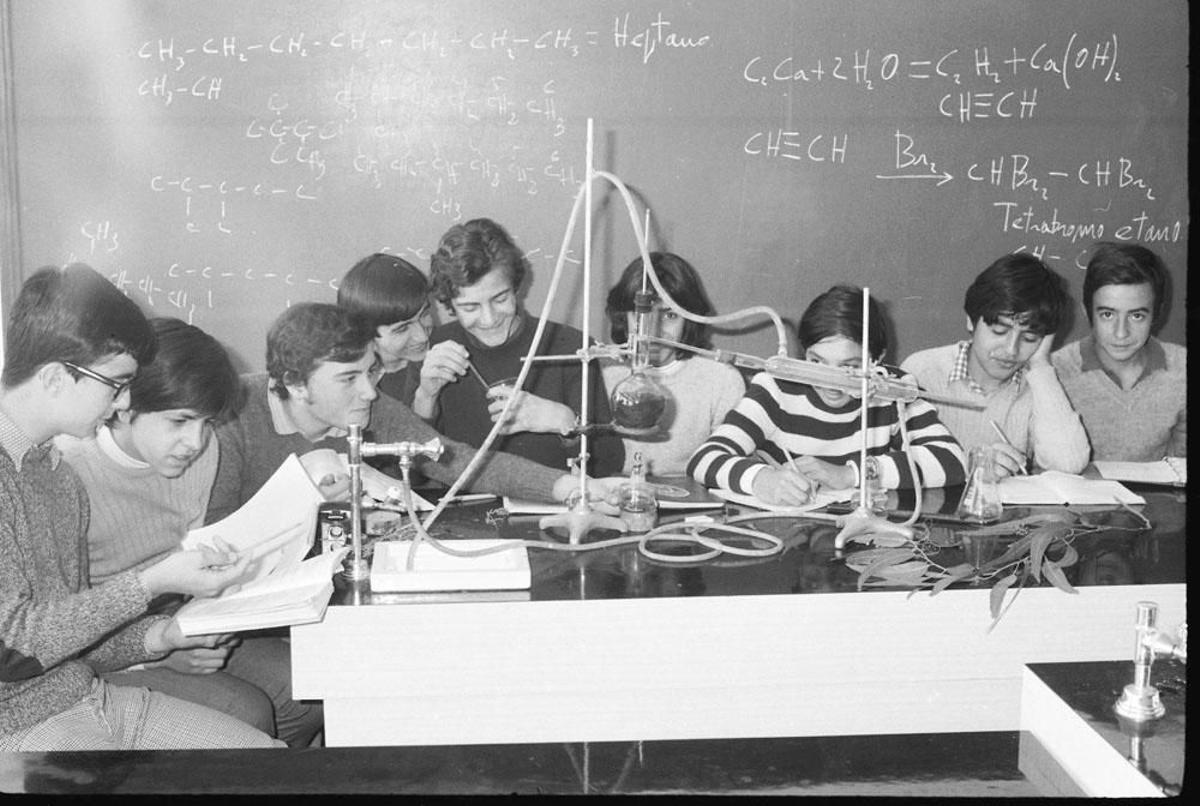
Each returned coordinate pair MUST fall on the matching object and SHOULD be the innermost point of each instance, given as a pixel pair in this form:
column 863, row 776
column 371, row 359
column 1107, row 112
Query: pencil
column 791, row 459
column 1009, row 443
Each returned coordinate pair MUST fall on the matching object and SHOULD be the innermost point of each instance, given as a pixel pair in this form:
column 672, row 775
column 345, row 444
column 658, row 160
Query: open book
column 1171, row 470
column 296, row 595
column 1053, row 487
column 276, row 528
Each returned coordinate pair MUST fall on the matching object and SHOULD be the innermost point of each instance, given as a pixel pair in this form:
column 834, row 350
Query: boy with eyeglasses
column 72, row 345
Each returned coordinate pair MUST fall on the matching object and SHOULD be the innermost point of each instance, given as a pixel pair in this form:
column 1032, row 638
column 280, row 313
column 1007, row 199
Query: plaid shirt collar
column 961, row 372
column 18, row 445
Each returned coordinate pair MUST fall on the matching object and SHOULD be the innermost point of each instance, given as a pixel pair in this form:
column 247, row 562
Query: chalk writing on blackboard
column 870, row 71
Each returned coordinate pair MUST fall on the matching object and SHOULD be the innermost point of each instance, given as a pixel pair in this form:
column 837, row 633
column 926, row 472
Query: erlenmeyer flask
column 981, row 497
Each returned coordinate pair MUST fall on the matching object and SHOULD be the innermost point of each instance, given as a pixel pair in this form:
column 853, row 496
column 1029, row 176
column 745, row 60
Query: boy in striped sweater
column 785, row 440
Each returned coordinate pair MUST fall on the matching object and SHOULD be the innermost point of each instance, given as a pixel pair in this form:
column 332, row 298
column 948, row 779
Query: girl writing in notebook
column 785, row 440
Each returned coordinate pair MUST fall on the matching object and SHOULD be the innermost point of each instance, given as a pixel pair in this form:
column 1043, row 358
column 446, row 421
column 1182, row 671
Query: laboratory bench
column 611, row 646
column 616, row 673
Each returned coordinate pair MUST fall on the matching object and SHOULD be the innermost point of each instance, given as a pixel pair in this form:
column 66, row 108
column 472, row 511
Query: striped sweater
column 55, row 631
column 776, row 415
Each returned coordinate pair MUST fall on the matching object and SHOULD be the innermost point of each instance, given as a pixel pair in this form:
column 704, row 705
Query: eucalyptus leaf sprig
column 1042, row 549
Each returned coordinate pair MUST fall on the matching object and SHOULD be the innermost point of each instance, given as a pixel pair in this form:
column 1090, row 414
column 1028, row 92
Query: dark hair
column 71, row 314
column 383, row 289
column 309, row 334
column 1021, row 287
column 191, row 370
column 1126, row 264
column 469, row 251
column 838, row 312
column 679, row 280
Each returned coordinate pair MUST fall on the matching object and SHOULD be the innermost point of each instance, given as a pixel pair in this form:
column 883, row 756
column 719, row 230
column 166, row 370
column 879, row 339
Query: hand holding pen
column 784, row 485
column 1009, row 460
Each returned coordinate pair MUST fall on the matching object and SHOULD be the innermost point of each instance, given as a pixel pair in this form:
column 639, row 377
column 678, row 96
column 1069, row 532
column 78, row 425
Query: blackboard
column 222, row 159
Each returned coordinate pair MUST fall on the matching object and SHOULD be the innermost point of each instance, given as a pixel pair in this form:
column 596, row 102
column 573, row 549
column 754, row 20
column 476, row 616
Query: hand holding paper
column 199, row 572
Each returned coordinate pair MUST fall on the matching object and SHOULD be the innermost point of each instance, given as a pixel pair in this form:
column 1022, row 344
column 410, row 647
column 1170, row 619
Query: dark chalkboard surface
column 223, row 159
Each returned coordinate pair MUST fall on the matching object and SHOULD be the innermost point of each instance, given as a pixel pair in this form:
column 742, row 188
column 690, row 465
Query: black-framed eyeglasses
column 117, row 386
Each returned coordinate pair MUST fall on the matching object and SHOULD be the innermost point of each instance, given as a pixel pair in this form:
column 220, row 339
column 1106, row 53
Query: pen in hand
column 1003, row 436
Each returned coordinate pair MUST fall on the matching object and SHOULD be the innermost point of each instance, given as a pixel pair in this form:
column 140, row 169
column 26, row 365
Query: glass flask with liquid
column 638, row 500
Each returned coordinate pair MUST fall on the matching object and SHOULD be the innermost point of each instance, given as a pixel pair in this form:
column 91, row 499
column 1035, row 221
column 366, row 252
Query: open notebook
column 1053, row 487
column 1171, row 470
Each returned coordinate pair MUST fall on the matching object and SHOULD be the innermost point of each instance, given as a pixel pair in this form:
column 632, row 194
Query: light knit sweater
column 1141, row 424
column 138, row 516
column 252, row 450
column 702, row 392
column 1033, row 413
column 56, row 633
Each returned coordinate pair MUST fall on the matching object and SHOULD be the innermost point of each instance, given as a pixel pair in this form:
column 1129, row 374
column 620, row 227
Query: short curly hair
column 469, row 251
column 307, row 335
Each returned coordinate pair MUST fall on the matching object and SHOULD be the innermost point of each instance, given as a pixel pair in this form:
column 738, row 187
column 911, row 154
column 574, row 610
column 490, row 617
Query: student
column 1014, row 308
column 148, row 473
column 72, row 346
column 812, row 434
column 393, row 296
column 1129, row 387
column 701, row 390
column 320, row 379
column 477, row 273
